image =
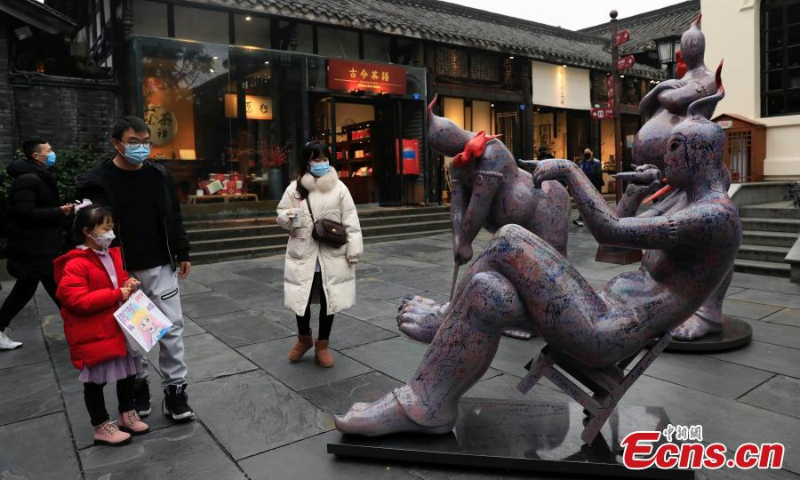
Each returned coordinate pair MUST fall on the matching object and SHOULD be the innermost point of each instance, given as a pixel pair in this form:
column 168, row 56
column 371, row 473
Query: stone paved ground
column 262, row 418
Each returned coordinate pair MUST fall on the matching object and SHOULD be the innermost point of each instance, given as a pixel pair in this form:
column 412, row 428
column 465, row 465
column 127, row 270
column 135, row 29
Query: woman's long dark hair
column 313, row 150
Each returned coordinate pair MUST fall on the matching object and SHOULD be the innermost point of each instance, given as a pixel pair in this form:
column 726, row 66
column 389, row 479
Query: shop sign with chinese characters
column 255, row 107
column 348, row 76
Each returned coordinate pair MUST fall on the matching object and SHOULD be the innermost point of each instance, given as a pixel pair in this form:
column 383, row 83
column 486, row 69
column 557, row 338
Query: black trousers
column 96, row 403
column 325, row 321
column 21, row 294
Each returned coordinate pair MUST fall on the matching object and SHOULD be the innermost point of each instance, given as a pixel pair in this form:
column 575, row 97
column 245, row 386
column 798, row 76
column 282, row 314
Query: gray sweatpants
column 161, row 285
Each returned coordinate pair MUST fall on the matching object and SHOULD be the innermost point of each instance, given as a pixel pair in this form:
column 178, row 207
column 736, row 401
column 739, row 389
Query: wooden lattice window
column 780, row 57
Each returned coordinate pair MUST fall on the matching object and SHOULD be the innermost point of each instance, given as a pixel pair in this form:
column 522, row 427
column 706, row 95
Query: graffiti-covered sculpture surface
column 489, row 191
column 521, row 280
column 667, row 103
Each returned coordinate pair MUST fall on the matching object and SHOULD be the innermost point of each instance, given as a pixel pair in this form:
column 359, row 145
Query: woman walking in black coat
column 33, row 223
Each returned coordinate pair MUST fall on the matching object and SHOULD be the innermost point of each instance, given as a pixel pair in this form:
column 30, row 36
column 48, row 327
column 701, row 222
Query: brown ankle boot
column 303, row 344
column 322, row 355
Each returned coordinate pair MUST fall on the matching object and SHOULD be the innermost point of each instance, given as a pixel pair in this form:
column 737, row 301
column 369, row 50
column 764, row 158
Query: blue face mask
column 51, row 159
column 319, row 169
column 136, row 154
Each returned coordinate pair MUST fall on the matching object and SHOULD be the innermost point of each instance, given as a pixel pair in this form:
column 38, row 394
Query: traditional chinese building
column 233, row 89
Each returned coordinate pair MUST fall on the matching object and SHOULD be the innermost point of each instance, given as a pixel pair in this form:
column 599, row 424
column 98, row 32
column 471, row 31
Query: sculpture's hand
column 553, row 169
column 644, row 181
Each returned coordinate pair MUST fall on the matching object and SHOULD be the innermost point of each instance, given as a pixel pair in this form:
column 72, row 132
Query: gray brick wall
column 6, row 119
column 66, row 112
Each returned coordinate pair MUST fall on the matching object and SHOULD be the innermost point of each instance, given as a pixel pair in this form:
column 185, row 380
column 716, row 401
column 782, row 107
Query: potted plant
column 273, row 158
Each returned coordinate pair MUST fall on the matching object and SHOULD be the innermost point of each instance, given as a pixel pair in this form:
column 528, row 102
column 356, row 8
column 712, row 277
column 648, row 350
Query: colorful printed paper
column 143, row 323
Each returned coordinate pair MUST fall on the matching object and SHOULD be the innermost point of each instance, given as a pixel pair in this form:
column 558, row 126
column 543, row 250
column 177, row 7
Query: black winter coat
column 33, row 221
column 95, row 186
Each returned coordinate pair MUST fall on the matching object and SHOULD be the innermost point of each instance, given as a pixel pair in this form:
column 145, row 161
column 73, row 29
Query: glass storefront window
column 299, row 38
column 336, row 43
column 201, row 25
column 150, row 18
column 376, row 48
column 223, row 113
column 252, row 31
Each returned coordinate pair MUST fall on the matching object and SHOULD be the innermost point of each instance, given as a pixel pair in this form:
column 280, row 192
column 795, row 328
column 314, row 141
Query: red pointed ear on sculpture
column 696, row 22
column 477, row 144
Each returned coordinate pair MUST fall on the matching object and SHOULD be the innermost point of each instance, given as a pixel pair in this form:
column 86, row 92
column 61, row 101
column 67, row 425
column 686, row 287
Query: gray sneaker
column 8, row 344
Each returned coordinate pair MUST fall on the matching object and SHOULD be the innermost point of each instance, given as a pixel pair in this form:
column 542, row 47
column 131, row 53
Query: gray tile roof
column 647, row 27
column 446, row 23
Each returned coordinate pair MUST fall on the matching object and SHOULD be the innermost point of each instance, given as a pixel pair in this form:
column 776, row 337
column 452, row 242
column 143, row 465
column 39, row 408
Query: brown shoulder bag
column 327, row 231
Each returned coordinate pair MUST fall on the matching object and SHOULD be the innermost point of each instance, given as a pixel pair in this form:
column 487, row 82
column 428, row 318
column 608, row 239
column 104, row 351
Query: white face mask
column 105, row 239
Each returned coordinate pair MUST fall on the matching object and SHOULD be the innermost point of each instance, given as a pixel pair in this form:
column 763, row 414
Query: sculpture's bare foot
column 383, row 417
column 420, row 322
column 695, row 327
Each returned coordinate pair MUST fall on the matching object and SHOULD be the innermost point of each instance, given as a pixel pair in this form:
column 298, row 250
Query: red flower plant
column 272, row 155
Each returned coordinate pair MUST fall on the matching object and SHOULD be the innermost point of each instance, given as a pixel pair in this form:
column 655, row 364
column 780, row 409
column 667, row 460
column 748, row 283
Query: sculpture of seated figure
column 521, row 280
column 489, row 191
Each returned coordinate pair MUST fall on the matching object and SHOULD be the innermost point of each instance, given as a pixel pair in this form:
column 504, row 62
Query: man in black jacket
column 33, row 223
column 155, row 248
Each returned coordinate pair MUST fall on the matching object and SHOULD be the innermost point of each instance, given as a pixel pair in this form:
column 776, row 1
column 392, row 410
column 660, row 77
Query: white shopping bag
column 143, row 323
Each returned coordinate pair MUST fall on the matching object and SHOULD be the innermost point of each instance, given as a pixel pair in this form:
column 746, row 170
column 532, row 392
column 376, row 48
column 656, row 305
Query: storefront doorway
column 364, row 136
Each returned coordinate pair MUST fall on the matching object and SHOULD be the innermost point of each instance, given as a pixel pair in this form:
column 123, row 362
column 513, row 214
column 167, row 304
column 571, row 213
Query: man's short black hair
column 128, row 123
column 31, row 146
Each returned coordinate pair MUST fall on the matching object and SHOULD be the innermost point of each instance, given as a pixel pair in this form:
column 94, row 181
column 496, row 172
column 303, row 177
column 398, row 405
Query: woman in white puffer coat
column 315, row 271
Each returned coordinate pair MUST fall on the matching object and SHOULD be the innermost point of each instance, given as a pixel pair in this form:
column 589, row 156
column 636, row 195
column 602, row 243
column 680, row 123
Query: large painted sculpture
column 489, row 191
column 667, row 105
column 521, row 280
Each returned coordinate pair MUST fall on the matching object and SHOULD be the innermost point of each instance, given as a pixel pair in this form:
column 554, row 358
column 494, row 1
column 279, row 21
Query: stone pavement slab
column 780, row 394
column 39, row 448
column 787, row 316
column 347, row 331
column 707, row 374
column 271, row 357
column 244, row 328
column 28, row 391
column 259, row 413
column 32, row 351
column 764, row 356
column 309, row 460
column 748, row 310
column 775, row 334
column 183, row 451
column 208, row 358
column 209, row 304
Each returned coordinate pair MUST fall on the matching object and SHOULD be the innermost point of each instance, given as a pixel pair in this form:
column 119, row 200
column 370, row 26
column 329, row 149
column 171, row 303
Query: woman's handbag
column 327, row 231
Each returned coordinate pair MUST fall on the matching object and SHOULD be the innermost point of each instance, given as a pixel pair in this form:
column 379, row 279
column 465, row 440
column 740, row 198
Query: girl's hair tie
column 82, row 204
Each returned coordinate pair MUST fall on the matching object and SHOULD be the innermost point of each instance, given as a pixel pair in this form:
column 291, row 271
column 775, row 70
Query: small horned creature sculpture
column 489, row 191
column 522, row 280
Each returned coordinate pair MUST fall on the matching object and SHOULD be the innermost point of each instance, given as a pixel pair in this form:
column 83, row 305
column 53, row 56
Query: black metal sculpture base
column 617, row 255
column 517, row 435
column 735, row 333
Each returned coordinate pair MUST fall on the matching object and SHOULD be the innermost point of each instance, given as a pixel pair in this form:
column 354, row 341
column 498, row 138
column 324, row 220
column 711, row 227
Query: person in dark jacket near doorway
column 34, row 219
column 155, row 247
column 593, row 170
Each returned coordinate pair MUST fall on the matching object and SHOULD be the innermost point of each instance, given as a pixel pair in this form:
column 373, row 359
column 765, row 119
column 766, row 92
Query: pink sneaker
column 109, row 434
column 130, row 422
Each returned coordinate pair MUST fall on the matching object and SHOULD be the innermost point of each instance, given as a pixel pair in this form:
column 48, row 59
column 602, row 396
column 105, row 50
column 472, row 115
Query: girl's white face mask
column 105, row 239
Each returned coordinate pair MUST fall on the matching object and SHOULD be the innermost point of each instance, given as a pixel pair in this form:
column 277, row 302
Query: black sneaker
column 176, row 403
column 578, row 222
column 141, row 398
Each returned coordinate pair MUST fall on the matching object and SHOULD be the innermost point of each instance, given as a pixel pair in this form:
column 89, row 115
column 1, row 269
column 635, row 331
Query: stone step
column 762, row 253
column 256, row 241
column 775, row 239
column 261, row 227
column 785, row 225
column 762, row 268
column 214, row 256
column 235, row 219
column 771, row 210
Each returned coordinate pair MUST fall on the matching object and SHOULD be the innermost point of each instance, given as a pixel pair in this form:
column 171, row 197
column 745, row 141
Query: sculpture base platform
column 618, row 255
column 735, row 334
column 520, row 435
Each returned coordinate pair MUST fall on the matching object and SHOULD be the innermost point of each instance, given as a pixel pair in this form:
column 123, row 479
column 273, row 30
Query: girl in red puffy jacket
column 92, row 284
